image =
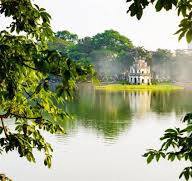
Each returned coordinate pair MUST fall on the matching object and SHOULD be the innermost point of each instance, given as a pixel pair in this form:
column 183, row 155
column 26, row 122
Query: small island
column 121, row 87
column 138, row 77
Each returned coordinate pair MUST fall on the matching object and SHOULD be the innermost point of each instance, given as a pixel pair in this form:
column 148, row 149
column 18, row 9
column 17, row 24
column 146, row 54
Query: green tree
column 25, row 92
column 177, row 143
column 85, row 45
column 112, row 40
column 126, row 58
column 161, row 56
column 59, row 44
column 67, row 36
column 63, row 41
column 110, row 52
column 82, row 49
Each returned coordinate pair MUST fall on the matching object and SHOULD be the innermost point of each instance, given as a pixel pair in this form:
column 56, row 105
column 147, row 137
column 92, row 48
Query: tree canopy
column 112, row 40
column 26, row 65
column 110, row 52
column 67, row 36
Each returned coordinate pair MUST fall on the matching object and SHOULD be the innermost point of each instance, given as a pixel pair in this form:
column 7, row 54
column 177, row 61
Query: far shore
column 121, row 87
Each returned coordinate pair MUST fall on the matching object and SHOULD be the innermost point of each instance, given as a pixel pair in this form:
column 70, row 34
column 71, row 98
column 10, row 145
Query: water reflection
column 133, row 121
column 111, row 113
column 140, row 101
column 108, row 114
column 176, row 101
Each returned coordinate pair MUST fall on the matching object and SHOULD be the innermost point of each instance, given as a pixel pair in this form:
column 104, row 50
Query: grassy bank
column 120, row 87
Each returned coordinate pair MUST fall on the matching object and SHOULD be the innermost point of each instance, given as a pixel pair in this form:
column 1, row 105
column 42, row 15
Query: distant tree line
column 174, row 65
column 112, row 53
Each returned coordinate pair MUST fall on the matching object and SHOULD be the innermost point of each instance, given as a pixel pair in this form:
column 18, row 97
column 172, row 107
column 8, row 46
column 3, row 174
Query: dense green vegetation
column 177, row 142
column 26, row 65
column 112, row 53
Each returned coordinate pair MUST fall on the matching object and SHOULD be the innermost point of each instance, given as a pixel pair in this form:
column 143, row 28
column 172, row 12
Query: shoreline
column 120, row 87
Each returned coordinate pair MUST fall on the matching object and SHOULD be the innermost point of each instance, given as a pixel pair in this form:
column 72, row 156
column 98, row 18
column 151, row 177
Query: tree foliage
column 162, row 55
column 108, row 40
column 25, row 69
column 67, row 36
column 177, row 144
column 183, row 8
column 112, row 40
column 110, row 52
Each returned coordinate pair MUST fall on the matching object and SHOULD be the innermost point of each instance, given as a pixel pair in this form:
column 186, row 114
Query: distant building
column 140, row 73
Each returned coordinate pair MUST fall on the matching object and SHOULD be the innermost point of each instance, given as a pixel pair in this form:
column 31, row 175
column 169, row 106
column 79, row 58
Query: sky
column 89, row 17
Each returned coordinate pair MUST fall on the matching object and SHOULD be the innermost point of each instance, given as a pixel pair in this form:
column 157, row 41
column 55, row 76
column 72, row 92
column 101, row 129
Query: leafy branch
column 26, row 68
column 177, row 144
column 183, row 8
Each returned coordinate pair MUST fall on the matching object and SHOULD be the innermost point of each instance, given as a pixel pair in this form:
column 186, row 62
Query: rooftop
column 140, row 63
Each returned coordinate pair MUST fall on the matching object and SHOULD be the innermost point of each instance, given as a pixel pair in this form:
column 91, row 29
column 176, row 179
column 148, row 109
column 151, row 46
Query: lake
column 107, row 137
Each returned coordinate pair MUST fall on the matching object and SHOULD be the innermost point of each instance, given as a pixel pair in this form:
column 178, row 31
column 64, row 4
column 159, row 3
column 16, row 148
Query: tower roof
column 139, row 63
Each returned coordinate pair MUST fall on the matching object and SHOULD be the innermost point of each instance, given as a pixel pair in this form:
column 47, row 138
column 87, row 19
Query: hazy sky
column 88, row 17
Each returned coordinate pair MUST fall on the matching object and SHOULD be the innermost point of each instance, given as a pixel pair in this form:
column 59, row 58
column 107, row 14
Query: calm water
column 107, row 137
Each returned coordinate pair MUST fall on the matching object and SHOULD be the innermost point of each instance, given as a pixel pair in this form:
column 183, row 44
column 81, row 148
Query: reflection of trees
column 177, row 101
column 111, row 112
column 107, row 112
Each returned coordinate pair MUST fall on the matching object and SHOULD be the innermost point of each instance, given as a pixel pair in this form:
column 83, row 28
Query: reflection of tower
column 140, row 101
